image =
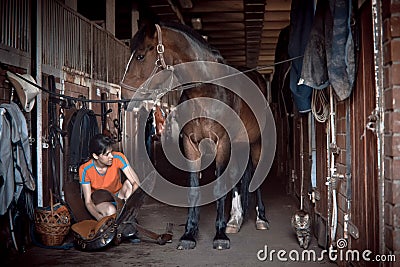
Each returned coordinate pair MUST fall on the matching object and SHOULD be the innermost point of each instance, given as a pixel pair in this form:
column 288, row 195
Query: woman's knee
column 111, row 209
column 107, row 208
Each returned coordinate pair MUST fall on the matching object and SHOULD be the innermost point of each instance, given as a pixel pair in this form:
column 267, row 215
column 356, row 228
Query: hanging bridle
column 159, row 63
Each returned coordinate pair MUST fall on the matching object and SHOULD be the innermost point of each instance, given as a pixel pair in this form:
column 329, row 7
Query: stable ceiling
column 244, row 31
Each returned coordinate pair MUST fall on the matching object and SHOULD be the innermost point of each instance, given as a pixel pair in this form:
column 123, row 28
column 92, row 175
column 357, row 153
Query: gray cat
column 301, row 223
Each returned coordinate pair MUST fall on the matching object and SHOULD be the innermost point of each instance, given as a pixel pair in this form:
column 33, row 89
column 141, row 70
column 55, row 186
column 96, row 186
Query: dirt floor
column 154, row 215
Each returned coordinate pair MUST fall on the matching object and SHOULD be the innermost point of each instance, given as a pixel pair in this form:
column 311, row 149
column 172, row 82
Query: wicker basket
column 52, row 224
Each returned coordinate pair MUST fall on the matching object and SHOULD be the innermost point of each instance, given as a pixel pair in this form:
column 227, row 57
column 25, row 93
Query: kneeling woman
column 100, row 178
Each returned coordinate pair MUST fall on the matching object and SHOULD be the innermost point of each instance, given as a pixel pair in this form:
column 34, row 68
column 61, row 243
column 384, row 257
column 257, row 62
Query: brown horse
column 158, row 47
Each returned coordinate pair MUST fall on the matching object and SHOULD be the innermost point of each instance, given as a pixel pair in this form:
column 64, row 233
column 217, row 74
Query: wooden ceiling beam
column 244, row 31
column 275, row 25
column 223, row 40
column 211, row 6
column 270, row 33
column 270, row 15
column 227, row 53
column 224, row 34
column 280, row 5
column 222, row 17
column 238, row 26
column 229, row 46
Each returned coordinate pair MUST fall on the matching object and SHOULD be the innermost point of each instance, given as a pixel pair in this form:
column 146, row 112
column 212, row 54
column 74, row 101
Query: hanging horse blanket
column 15, row 156
column 329, row 57
column 301, row 20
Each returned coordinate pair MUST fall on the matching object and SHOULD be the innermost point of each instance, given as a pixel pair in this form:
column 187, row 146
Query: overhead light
column 205, row 37
column 196, row 23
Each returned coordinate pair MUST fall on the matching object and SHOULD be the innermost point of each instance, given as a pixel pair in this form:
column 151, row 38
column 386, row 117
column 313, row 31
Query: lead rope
column 319, row 105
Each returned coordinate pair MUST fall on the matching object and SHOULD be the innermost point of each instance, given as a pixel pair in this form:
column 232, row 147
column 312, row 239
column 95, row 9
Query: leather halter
column 160, row 49
column 159, row 64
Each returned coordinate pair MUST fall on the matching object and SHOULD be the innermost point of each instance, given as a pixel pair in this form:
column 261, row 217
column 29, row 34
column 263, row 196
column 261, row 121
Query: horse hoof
column 231, row 229
column 262, row 225
column 221, row 244
column 186, row 244
column 234, row 224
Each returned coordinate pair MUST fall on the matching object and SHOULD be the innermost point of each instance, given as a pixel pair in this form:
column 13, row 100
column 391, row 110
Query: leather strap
column 160, row 238
column 126, row 220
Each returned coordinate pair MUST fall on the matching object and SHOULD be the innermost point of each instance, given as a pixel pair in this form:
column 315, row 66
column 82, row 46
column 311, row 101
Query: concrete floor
column 154, row 215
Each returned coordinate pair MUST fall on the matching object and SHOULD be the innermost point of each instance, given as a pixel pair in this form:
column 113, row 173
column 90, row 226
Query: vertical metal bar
column 39, row 122
column 61, row 171
column 108, row 48
column 3, row 20
column 378, row 62
column 28, row 26
column 81, row 46
column 8, row 23
column 11, row 24
column 18, row 29
column 72, row 35
column 51, row 34
column 15, row 30
column 12, row 28
column 301, row 163
column 61, row 42
column 91, row 50
column 75, row 42
column 22, row 16
column 21, row 30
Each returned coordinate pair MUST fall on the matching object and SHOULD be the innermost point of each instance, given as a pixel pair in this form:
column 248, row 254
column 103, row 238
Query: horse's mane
column 194, row 35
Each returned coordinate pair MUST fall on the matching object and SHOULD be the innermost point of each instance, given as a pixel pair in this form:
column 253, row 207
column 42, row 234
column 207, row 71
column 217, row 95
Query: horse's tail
column 244, row 188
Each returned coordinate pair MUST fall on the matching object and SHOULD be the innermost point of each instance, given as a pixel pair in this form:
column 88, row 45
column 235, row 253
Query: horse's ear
column 146, row 29
column 149, row 25
column 151, row 30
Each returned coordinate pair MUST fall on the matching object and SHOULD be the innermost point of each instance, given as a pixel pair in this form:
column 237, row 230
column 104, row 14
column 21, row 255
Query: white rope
column 319, row 105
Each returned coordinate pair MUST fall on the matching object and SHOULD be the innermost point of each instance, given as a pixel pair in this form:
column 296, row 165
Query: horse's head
column 158, row 46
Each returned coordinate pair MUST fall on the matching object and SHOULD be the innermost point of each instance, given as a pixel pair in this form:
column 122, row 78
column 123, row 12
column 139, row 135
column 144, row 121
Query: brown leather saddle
column 90, row 235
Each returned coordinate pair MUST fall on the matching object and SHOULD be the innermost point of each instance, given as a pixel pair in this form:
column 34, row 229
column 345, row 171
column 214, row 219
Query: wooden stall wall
column 87, row 62
column 362, row 204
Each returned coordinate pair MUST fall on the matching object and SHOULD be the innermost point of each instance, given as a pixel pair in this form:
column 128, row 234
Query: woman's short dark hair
column 99, row 144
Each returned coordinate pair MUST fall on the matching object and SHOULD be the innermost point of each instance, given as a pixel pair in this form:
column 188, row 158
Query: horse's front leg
column 188, row 239
column 221, row 240
column 261, row 222
column 236, row 219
